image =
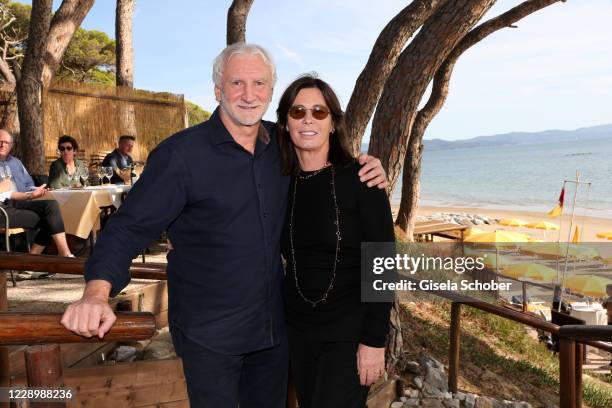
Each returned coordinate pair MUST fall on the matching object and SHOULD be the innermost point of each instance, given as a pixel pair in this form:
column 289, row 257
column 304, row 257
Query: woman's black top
column 365, row 216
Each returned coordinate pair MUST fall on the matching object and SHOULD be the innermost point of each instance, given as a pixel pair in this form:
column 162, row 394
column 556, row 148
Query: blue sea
column 520, row 177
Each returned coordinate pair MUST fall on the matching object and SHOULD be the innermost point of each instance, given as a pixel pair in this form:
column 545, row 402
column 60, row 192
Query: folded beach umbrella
column 605, row 235
column 588, row 285
column 558, row 250
column 513, row 222
column 543, row 225
column 531, row 271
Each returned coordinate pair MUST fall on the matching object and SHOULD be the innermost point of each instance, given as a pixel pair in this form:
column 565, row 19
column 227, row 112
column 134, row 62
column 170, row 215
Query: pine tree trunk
column 236, row 21
column 124, row 48
column 65, row 22
column 30, row 88
column 412, row 164
column 382, row 59
column 125, row 63
column 414, row 70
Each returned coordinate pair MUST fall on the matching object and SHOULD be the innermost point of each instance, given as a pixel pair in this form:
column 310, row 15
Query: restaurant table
column 80, row 207
column 591, row 314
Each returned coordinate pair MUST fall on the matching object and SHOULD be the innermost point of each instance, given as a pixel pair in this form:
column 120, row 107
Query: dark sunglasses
column 318, row 112
column 62, row 148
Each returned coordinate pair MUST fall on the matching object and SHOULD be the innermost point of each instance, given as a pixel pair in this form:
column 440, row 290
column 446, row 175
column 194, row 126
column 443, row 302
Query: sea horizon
column 526, row 177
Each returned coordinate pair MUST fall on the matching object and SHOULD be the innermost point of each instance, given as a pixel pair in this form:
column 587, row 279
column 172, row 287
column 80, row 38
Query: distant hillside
column 514, row 138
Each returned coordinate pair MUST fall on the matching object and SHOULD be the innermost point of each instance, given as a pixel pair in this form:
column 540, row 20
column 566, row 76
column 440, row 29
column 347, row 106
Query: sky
column 554, row 71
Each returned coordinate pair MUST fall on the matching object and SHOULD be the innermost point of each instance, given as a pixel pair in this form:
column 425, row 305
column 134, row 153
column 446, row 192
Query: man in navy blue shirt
column 217, row 189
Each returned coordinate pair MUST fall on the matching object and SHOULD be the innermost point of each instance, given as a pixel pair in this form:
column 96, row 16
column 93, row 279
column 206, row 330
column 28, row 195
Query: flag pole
column 569, row 236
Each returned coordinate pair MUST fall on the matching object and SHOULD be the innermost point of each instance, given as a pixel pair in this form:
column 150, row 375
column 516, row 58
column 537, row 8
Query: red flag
column 558, row 210
column 561, row 197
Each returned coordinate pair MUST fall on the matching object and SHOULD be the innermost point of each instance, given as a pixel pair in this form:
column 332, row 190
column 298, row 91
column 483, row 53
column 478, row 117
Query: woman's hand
column 370, row 364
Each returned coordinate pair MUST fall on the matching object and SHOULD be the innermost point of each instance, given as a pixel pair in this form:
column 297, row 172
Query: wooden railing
column 43, row 332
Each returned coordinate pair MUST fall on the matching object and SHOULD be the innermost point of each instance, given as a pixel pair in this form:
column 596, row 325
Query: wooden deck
column 424, row 231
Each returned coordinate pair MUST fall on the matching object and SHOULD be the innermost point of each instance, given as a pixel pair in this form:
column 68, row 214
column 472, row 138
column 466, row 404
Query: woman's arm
column 376, row 223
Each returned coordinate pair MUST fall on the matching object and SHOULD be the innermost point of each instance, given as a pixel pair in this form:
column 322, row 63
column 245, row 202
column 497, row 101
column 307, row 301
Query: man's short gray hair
column 241, row 48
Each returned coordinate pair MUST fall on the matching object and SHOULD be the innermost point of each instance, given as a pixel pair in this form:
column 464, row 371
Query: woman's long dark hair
column 339, row 153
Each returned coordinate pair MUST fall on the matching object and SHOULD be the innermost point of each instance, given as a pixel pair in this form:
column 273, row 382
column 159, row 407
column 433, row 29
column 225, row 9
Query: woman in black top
column 336, row 342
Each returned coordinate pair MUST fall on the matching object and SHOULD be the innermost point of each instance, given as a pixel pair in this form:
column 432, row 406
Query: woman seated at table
column 336, row 342
column 65, row 171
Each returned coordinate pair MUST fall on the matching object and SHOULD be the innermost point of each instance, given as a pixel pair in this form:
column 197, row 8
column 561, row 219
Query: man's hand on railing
column 91, row 315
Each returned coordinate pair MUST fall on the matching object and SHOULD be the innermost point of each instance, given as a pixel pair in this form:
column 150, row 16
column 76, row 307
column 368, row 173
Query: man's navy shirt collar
column 224, row 136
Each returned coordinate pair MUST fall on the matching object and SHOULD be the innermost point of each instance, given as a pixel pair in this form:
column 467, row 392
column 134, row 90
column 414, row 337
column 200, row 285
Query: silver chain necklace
column 323, row 299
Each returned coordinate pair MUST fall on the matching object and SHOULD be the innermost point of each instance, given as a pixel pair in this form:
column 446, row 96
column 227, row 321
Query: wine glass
column 3, row 172
column 7, row 172
column 109, row 173
column 84, row 176
column 101, row 173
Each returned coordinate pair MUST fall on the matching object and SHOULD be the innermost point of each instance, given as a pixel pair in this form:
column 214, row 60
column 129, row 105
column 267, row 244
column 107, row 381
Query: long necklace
column 323, row 299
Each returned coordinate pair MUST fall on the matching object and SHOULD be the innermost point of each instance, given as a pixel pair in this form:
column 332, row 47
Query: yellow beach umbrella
column 472, row 231
column 607, row 261
column 588, row 285
column 543, row 225
column 558, row 250
column 531, row 271
column 498, row 236
column 605, row 235
column 490, row 259
column 513, row 222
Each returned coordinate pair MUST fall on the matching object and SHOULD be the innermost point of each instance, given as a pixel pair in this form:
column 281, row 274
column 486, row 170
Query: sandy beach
column 589, row 226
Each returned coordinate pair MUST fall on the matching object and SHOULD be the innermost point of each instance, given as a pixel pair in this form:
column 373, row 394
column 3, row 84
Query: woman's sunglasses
column 318, row 112
column 68, row 148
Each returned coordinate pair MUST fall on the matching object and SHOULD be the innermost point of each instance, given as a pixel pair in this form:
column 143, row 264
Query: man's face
column 246, row 89
column 6, row 144
column 126, row 146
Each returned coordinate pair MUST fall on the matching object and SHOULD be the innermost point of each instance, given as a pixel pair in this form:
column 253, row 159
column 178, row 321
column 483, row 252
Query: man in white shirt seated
column 16, row 194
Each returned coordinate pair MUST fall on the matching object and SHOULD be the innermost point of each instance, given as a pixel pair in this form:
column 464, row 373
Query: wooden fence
column 91, row 114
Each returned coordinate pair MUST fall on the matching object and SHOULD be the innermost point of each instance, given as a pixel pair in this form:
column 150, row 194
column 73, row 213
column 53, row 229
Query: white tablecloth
column 591, row 316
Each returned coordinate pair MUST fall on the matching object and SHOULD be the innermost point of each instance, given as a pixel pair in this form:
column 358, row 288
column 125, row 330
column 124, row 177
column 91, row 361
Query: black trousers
column 39, row 214
column 253, row 380
column 325, row 373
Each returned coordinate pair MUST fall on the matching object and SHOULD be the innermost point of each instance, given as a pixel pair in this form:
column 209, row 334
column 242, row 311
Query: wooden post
column 453, row 358
column 524, row 284
column 579, row 357
column 44, row 369
column 567, row 373
column 4, row 357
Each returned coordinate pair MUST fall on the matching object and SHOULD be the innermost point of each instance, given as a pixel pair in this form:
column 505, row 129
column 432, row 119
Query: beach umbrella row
column 588, row 285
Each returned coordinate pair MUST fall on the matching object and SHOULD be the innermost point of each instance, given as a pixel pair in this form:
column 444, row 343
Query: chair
column 8, row 232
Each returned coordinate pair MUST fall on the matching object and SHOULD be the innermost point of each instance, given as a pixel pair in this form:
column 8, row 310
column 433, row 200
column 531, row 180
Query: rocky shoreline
column 428, row 387
column 459, row 218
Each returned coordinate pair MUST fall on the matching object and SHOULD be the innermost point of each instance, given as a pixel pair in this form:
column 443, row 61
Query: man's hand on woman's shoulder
column 372, row 172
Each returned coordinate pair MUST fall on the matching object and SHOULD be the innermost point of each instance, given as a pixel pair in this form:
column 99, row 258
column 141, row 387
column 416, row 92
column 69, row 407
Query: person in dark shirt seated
column 120, row 160
column 65, row 171
column 336, row 342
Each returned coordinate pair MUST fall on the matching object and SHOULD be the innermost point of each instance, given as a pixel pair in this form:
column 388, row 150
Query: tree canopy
column 90, row 57
column 195, row 113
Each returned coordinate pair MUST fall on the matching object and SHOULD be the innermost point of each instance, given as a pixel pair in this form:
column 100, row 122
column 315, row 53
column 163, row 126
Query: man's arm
column 91, row 315
column 151, row 205
column 372, row 172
